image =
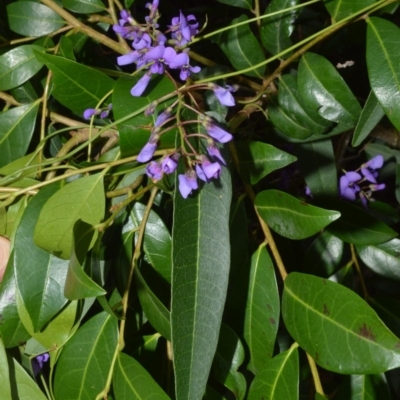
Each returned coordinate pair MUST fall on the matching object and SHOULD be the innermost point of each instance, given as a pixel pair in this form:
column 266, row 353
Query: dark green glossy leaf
column 370, row 116
column 16, row 129
column 32, row 19
column 262, row 311
column 382, row 258
column 364, row 387
column 76, row 86
column 317, row 162
column 383, row 59
column 5, row 388
column 67, row 48
column 78, row 284
column 258, row 159
column 83, row 366
column 40, row 276
column 81, row 199
column 389, row 311
column 276, row 30
column 132, row 382
column 84, row 6
column 339, row 9
column 18, row 65
column 323, row 89
column 336, row 327
column 247, row 4
column 133, row 135
column 291, row 217
column 279, row 379
column 242, row 48
column 201, row 258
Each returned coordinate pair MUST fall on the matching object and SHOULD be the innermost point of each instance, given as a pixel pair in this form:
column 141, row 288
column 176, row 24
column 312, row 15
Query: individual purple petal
column 154, row 171
column 104, row 114
column 216, row 132
column 348, row 188
column 125, row 15
column 369, row 175
column 377, row 187
column 88, row 113
column 374, row 163
column 163, row 117
column 169, row 164
column 161, row 39
column 141, row 85
column 143, row 43
column 211, row 170
column 38, row 362
column 147, row 152
column 364, row 200
column 353, row 176
column 187, row 183
column 213, row 151
column 128, row 58
column 192, row 22
column 169, row 55
column 224, row 96
column 307, row 191
column 179, row 61
column 200, row 173
column 187, row 70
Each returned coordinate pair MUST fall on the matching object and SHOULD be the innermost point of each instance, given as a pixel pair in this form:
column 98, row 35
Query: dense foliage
column 199, row 199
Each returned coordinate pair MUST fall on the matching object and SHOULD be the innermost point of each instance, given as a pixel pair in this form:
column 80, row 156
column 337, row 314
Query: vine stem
column 357, row 265
column 315, row 375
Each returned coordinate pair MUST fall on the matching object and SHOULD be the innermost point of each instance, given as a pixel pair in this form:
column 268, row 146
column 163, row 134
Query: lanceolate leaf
column 279, row 379
column 5, row 388
column 76, row 86
column 340, row 9
column 83, row 366
column 80, row 199
column 248, row 4
column 84, row 6
column 201, row 258
column 263, row 310
column 291, row 217
column 131, row 381
column 364, row 387
column 336, row 327
column 383, row 59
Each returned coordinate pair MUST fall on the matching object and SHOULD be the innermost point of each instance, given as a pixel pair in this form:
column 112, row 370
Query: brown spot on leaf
column 303, row 203
column 272, row 321
column 366, row 332
column 326, row 310
column 397, row 345
column 316, row 357
column 269, row 307
column 324, row 281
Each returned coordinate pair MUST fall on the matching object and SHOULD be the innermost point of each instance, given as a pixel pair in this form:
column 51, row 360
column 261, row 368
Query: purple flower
column 214, row 152
column 348, row 187
column 156, row 55
column 181, row 61
column 187, row 183
column 170, row 163
column 163, row 117
column 183, row 28
column 223, row 95
column 207, row 170
column 38, row 362
column 129, row 58
column 88, row 113
column 154, row 171
column 216, row 132
column 141, row 85
column 377, row 187
column 147, row 152
column 369, row 168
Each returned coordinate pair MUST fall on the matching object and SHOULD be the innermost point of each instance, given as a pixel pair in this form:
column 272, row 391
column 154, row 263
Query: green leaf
column 258, row 159
column 291, row 115
column 279, row 379
column 16, row 129
column 18, row 65
column 242, row 48
column 370, row 116
column 5, row 388
column 388, row 310
column 262, row 310
column 78, row 285
column 75, row 85
column 40, row 276
column 382, row 258
column 356, row 225
column 323, row 89
column 276, row 30
column 383, row 60
column 247, row 4
column 132, row 382
column 336, row 327
column 32, row 19
column 201, row 258
column 339, row 9
column 291, row 217
column 84, row 6
column 85, row 361
column 317, row 162
column 364, row 387
column 67, row 48
column 81, row 199
column 133, row 135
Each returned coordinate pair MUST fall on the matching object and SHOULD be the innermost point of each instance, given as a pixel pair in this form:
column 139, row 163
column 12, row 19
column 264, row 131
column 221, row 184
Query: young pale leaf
column 32, row 19
column 18, row 65
column 78, row 285
column 16, row 129
column 258, row 159
column 339, row 9
column 291, row 217
column 382, row 258
column 5, row 388
column 317, row 162
column 247, row 4
column 132, row 382
column 85, row 361
column 336, row 327
column 279, row 379
column 84, row 6
column 201, row 258
column 276, row 30
column 323, row 89
column 81, row 87
column 383, row 59
column 262, row 311
column 370, row 116
column 242, row 48
column 40, row 276
column 81, row 199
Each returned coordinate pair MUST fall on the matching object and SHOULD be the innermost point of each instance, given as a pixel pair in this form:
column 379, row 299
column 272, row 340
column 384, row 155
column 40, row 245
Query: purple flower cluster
column 150, row 50
column 351, row 181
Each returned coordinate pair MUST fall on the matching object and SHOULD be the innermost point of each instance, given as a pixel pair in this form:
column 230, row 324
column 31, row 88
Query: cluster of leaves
column 118, row 287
